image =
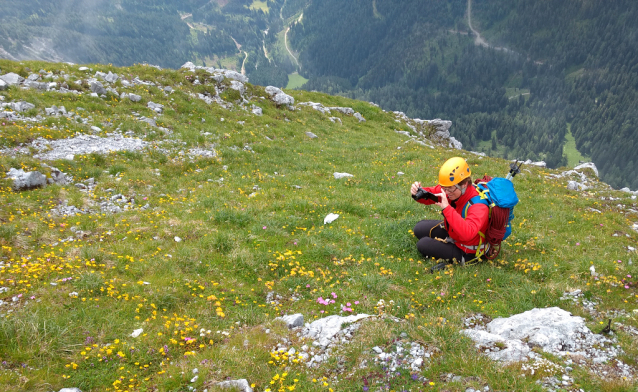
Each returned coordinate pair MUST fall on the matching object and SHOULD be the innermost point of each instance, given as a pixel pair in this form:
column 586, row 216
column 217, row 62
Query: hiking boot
column 440, row 266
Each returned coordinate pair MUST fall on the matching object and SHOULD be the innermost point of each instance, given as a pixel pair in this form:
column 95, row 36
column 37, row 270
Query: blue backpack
column 499, row 195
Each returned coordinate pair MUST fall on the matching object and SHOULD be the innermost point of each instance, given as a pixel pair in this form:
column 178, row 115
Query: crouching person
column 460, row 235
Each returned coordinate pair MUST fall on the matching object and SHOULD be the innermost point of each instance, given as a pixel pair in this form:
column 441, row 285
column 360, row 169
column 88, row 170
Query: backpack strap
column 471, row 202
column 483, row 191
column 481, row 199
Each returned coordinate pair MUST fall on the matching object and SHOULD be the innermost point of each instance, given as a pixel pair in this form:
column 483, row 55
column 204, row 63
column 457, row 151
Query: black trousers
column 427, row 232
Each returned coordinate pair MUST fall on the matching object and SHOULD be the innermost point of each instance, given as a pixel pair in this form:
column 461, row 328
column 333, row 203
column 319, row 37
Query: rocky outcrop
column 279, row 97
column 84, row 144
column 553, row 330
column 426, row 132
column 26, row 180
column 218, row 73
column 12, row 79
column 20, row 106
column 323, row 331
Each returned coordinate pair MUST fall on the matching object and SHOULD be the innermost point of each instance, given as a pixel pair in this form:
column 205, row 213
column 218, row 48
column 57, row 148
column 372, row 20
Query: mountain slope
column 564, row 63
column 178, row 254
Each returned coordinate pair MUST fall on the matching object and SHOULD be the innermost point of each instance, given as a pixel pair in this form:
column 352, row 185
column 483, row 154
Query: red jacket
column 463, row 231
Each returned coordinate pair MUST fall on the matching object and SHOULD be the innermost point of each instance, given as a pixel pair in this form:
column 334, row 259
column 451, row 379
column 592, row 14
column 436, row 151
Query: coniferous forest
column 548, row 67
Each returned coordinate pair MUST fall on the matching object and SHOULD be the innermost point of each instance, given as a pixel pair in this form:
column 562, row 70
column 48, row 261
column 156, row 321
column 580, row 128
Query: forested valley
column 551, row 66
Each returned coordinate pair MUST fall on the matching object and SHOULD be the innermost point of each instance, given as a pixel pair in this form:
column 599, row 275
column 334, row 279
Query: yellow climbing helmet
column 453, row 171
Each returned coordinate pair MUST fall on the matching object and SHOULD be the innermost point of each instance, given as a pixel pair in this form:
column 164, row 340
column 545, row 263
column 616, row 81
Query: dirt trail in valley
column 478, row 40
column 281, row 16
column 243, row 64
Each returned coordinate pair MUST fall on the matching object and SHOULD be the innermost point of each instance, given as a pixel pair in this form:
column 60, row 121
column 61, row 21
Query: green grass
column 239, row 243
column 514, row 93
column 570, row 150
column 260, row 5
column 295, row 81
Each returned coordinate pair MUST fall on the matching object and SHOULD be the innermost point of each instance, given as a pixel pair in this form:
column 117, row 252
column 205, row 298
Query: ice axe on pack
column 515, row 168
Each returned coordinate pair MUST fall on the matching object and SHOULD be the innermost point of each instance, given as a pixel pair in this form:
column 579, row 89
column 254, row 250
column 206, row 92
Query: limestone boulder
column 279, row 97
column 26, row 180
column 97, row 87
column 12, row 79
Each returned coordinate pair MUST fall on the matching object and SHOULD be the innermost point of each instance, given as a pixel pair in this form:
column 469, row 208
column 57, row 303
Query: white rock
column 311, row 135
column 330, row 218
column 26, row 180
column 537, row 164
column 111, row 77
column 158, row 108
column 241, row 385
column 177, row 239
column 84, row 144
column 70, row 390
column 293, row 320
column 324, row 329
column 12, row 79
column 515, row 350
column 576, row 186
column 553, row 330
column 588, row 165
column 238, row 86
column 455, row 143
column 189, row 65
column 359, row 117
column 137, row 332
column 341, row 175
column 279, row 97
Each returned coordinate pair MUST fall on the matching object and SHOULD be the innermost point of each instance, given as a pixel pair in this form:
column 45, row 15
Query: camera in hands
column 423, row 194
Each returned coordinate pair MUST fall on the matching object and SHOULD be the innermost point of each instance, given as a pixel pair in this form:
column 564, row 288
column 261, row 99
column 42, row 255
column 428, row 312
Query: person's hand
column 415, row 188
column 443, row 203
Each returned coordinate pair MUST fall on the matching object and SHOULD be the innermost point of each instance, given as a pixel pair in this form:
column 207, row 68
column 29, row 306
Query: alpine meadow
column 216, row 195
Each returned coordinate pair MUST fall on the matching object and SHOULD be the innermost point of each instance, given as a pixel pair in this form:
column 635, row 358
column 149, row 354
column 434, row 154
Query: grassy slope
column 573, row 155
column 295, row 81
column 236, row 248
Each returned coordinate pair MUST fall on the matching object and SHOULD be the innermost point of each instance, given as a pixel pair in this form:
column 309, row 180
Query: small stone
column 338, row 175
column 293, row 320
column 177, row 239
column 359, row 117
column 241, row 385
column 377, row 349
